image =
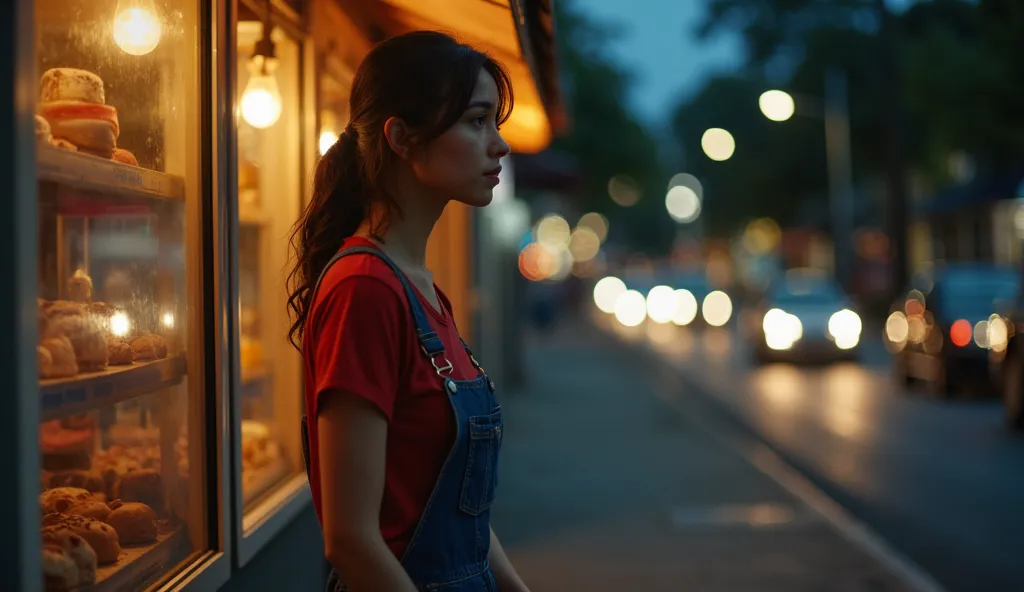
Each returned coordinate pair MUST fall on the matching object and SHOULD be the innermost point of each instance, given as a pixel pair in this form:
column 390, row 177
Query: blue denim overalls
column 448, row 550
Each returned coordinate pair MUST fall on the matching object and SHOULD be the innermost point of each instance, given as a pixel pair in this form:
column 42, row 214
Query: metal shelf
column 92, row 173
column 83, row 392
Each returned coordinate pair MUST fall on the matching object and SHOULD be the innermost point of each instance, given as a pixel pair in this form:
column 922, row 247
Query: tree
column 605, row 137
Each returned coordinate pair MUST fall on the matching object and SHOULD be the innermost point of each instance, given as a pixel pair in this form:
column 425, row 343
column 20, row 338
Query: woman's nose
column 501, row 147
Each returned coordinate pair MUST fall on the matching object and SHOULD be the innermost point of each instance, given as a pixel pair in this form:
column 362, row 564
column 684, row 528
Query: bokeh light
column 537, row 263
column 661, row 304
column 596, row 222
column 718, row 144
column 624, row 190
column 606, row 293
column 630, row 308
column 687, row 180
column 683, row 204
column 686, row 308
column 553, row 233
column 776, row 105
column 717, row 308
column 584, row 244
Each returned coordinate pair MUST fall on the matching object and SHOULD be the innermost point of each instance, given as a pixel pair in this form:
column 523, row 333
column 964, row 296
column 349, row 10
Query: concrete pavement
column 608, row 484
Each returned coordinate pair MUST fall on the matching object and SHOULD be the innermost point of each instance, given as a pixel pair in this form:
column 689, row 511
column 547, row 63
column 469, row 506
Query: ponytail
column 339, row 202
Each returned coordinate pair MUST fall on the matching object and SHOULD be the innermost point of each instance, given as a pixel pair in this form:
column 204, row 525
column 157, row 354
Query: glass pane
column 270, row 183
column 117, row 132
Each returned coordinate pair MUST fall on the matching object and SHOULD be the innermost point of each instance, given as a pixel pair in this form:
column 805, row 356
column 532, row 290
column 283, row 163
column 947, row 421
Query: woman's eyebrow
column 484, row 104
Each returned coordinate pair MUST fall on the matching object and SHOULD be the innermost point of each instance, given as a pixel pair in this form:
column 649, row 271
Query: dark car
column 805, row 317
column 946, row 328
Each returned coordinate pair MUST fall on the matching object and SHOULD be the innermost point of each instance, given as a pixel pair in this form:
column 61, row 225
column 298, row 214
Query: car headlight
column 845, row 327
column 781, row 329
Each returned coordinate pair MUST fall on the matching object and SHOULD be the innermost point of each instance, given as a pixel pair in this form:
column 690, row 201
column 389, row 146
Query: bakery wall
column 293, row 560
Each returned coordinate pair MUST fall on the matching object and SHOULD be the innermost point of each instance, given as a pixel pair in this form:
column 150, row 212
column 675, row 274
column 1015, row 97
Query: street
column 607, row 485
column 940, row 481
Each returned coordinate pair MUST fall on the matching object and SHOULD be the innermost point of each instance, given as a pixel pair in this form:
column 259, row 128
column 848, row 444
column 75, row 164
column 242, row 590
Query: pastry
column 80, row 287
column 62, row 362
column 93, row 128
column 95, row 510
column 102, row 309
column 149, row 347
column 86, row 336
column 87, row 480
column 55, row 439
column 69, row 84
column 45, row 361
column 60, row 308
column 61, row 499
column 143, row 485
column 59, row 570
column 123, row 156
column 135, row 523
column 101, row 537
column 43, row 129
column 120, row 352
column 133, row 438
column 80, row 552
column 63, row 144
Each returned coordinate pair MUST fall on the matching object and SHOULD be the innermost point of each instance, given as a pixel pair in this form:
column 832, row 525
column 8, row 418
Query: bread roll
column 59, row 571
column 62, row 362
column 61, row 499
column 80, row 552
column 134, row 522
column 80, row 287
column 63, row 144
column 101, row 537
column 43, row 129
column 95, row 510
column 123, row 156
column 144, row 485
column 91, row 136
column 121, row 353
column 60, row 308
column 87, row 339
column 149, row 347
column 69, row 84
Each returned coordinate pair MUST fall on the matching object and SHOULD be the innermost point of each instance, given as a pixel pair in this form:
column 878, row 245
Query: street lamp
column 777, row 105
column 780, row 106
column 718, row 144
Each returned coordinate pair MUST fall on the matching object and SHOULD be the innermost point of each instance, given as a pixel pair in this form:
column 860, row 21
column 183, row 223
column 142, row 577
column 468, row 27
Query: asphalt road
column 943, row 482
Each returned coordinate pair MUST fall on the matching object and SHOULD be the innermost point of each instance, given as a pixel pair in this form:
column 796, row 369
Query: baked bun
column 80, row 287
column 144, row 485
column 149, row 347
column 62, row 362
column 92, row 136
column 95, row 510
column 59, row 570
column 45, row 361
column 59, row 308
column 125, row 157
column 121, row 353
column 80, row 552
column 61, row 499
column 101, row 537
column 63, row 144
column 86, row 335
column 134, row 522
column 69, row 84
column 102, row 309
column 87, row 480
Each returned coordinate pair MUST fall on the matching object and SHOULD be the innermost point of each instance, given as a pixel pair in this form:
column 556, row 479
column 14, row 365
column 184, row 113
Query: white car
column 806, row 318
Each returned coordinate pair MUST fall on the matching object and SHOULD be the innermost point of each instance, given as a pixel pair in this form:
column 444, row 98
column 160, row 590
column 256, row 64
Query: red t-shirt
column 360, row 338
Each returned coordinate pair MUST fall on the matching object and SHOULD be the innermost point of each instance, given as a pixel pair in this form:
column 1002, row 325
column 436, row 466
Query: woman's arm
column 504, row 574
column 352, row 439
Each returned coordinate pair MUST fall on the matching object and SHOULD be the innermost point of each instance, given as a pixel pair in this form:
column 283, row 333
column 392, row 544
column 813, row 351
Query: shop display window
column 270, row 184
column 123, row 503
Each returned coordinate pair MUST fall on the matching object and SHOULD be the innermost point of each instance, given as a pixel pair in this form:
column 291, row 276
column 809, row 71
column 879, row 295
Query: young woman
column 403, row 426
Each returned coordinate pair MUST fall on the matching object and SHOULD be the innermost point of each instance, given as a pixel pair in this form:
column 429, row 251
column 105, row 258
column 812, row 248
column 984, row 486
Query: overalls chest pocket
column 481, row 478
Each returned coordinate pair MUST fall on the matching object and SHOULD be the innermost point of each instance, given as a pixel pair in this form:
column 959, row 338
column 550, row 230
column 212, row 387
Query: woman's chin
column 478, row 200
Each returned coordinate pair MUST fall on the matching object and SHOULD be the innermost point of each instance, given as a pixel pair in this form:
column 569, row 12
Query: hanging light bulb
column 261, row 101
column 137, row 26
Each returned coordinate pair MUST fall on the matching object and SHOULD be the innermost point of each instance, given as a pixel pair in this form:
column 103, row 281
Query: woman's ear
column 399, row 137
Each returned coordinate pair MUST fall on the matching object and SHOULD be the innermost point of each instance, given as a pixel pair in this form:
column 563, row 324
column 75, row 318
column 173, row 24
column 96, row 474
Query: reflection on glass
column 270, row 180
column 117, row 132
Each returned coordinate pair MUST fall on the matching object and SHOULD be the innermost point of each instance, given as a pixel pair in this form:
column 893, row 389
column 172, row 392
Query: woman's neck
column 405, row 238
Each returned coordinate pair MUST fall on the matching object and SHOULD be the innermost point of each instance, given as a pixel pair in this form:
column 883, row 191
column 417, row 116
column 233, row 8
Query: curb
column 782, row 467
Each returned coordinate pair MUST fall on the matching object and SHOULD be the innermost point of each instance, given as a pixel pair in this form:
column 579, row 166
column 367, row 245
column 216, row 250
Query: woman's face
column 462, row 164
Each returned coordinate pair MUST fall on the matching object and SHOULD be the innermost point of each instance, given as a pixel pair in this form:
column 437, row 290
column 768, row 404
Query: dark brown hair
column 424, row 78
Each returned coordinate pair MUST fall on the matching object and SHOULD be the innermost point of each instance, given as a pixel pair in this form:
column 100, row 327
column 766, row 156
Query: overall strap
column 430, row 342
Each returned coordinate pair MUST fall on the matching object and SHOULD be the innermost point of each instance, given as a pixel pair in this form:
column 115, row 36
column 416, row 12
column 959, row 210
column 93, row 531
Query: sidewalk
column 606, row 487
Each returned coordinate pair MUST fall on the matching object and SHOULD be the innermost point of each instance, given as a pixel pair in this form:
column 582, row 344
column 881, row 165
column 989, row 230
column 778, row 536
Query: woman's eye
column 480, row 121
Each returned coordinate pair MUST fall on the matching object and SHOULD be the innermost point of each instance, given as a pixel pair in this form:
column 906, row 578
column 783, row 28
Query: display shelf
column 138, row 563
column 92, row 173
column 86, row 391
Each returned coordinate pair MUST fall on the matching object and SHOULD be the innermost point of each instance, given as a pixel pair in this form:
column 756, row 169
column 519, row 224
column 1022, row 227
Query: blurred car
column 947, row 328
column 806, row 317
column 1008, row 366
column 684, row 298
